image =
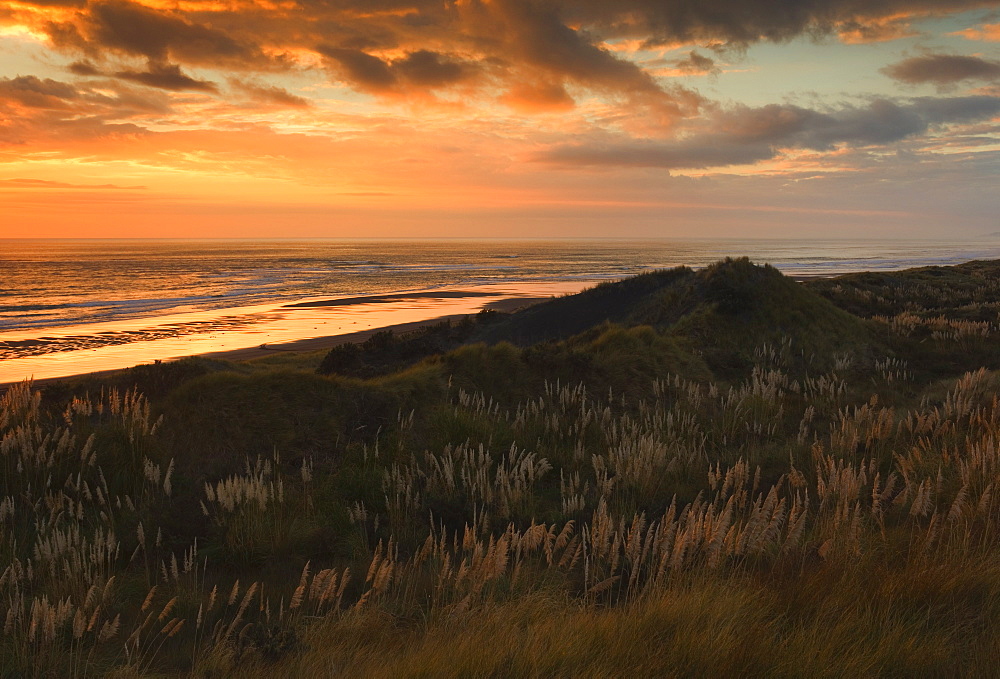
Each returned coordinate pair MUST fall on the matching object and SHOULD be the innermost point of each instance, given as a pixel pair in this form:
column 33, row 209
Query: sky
column 500, row 118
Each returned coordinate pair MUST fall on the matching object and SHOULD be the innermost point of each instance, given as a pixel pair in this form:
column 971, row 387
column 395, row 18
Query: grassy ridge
column 705, row 473
column 718, row 314
column 969, row 291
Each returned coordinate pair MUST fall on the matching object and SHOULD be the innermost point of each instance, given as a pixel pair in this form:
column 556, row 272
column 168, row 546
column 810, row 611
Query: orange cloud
column 538, row 97
column 985, row 32
column 878, row 29
column 325, row 109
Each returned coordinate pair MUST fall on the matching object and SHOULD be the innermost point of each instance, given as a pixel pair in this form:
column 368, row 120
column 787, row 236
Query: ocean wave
column 87, row 285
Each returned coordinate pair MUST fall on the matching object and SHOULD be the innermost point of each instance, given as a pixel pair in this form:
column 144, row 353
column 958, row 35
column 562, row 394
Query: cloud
column 533, row 56
column 32, row 92
column 132, row 29
column 696, row 64
column 269, row 94
column 876, row 29
column 942, row 70
column 985, row 32
column 135, row 29
column 744, row 135
column 419, row 71
column 167, row 77
column 84, row 68
column 419, row 49
column 36, row 109
column 538, row 97
column 422, row 69
column 56, row 3
column 47, row 184
column 529, row 53
column 744, row 22
column 364, row 71
column 649, row 153
column 239, row 26
column 430, row 69
column 533, row 43
column 535, row 35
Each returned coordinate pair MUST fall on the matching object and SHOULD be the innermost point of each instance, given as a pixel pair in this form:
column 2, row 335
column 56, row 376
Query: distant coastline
column 306, row 326
column 76, row 307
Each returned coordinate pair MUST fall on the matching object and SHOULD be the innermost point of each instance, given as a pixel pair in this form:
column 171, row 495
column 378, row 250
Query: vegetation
column 711, row 473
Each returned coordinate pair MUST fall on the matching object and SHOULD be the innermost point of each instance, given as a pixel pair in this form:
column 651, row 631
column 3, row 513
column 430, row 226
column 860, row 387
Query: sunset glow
column 237, row 118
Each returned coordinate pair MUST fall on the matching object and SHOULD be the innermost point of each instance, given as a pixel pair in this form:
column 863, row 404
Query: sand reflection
column 59, row 352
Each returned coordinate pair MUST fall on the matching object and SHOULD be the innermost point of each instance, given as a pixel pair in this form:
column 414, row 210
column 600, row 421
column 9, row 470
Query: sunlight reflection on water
column 75, row 306
column 86, row 350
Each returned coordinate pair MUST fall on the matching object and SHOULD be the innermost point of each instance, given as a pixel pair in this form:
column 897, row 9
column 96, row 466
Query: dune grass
column 763, row 485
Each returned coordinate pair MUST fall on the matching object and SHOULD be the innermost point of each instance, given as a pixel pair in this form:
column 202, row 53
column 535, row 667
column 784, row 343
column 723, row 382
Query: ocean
column 70, row 306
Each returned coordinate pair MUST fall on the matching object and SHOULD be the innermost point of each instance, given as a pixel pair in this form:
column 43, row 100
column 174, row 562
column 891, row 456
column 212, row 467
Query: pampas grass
column 759, row 525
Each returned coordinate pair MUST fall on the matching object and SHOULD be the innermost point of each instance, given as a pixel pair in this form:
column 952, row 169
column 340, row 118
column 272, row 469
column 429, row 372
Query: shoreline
column 309, row 344
column 305, row 344
column 196, row 326
column 385, row 298
column 106, row 348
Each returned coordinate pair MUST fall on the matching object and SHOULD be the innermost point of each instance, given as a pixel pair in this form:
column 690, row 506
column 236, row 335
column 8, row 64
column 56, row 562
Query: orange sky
column 498, row 118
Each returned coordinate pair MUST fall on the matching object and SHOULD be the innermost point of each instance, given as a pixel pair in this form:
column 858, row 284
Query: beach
column 245, row 333
column 73, row 307
column 330, row 341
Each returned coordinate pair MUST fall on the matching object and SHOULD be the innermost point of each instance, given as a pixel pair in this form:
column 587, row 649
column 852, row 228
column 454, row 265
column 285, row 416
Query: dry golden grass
column 783, row 524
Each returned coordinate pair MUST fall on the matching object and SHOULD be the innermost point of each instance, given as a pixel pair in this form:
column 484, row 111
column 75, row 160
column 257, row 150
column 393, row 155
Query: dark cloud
column 269, row 94
column 534, row 43
column 534, row 37
column 881, row 122
column 422, row 69
column 32, row 92
column 696, row 64
column 401, row 48
column 56, row 3
column 747, row 135
column 942, row 70
column 128, row 28
column 66, row 35
column 513, row 41
column 648, row 153
column 743, row 22
column 543, row 25
column 522, row 46
column 536, row 52
column 84, row 68
column 36, row 109
column 544, row 40
column 167, row 77
column 430, row 69
column 360, row 68
column 940, row 110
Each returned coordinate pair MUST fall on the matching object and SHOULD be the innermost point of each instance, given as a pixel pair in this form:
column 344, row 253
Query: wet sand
column 319, row 343
column 248, row 332
column 392, row 297
column 253, row 332
column 295, row 346
column 330, row 341
column 12, row 348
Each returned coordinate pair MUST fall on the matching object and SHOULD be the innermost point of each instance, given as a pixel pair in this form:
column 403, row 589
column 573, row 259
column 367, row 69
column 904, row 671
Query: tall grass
column 89, row 584
column 830, row 517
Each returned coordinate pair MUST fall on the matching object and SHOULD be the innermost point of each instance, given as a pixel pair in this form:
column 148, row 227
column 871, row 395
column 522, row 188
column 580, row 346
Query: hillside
column 696, row 473
column 718, row 316
column 969, row 291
